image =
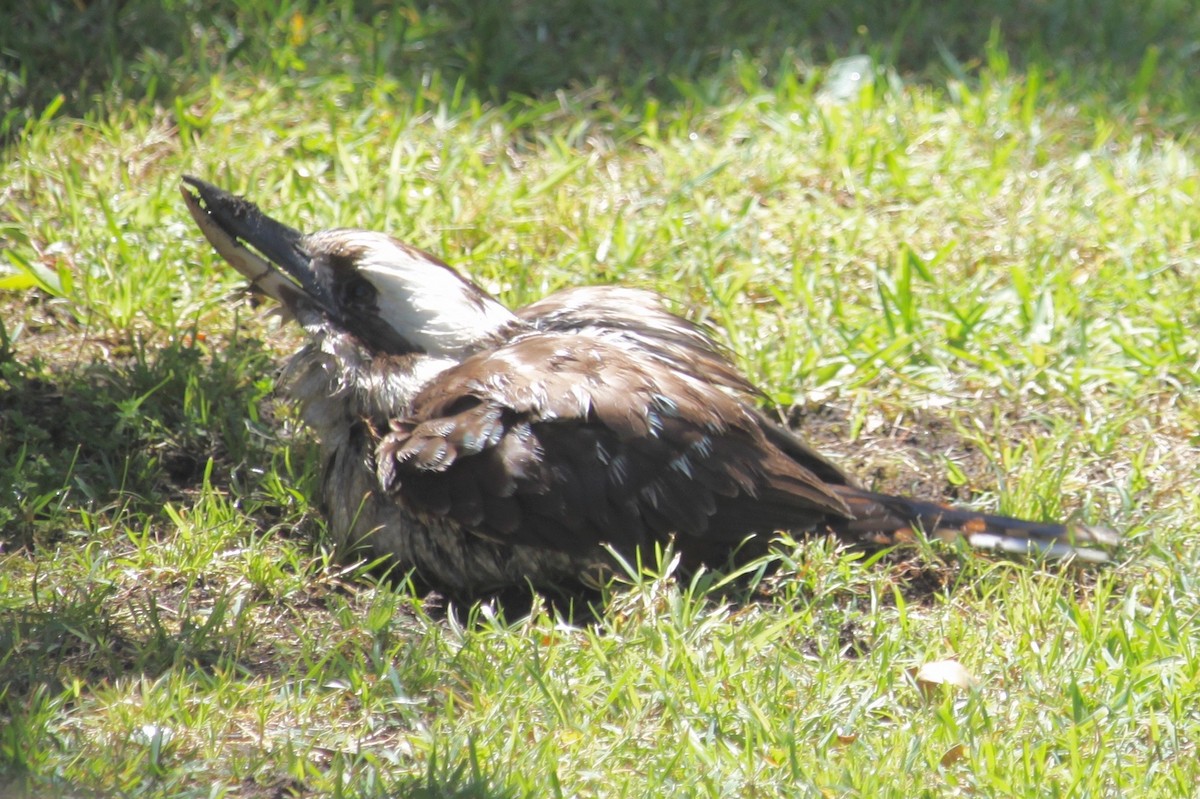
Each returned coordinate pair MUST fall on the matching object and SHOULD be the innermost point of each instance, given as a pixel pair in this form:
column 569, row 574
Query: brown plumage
column 486, row 449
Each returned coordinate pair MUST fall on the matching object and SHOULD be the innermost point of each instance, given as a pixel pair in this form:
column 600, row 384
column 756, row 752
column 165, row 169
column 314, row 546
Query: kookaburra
column 487, row 449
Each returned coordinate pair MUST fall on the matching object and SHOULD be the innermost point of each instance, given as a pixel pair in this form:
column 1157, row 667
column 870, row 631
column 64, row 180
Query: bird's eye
column 357, row 291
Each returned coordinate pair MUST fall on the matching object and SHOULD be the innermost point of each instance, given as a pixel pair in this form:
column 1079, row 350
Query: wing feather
column 569, row 440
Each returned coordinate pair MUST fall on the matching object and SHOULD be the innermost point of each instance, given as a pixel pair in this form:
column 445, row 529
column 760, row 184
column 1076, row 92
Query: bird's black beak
column 270, row 254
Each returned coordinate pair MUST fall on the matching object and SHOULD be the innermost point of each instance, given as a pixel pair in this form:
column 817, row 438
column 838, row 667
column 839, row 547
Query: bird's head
column 391, row 298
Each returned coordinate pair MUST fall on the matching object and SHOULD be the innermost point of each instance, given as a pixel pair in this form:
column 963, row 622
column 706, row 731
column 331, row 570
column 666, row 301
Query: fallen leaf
column 943, row 672
column 953, row 755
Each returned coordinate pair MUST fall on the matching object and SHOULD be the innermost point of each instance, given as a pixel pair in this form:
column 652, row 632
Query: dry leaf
column 943, row 672
column 953, row 755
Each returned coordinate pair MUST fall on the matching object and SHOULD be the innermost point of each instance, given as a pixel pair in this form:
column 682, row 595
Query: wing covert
column 569, row 441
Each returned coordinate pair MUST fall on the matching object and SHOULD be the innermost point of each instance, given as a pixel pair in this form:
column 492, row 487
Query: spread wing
column 568, row 440
column 638, row 319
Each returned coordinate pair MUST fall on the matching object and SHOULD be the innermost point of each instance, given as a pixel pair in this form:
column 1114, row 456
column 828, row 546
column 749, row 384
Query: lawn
column 956, row 248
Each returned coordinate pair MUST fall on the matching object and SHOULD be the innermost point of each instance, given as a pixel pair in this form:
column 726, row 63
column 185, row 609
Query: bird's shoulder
column 568, row 379
column 639, row 320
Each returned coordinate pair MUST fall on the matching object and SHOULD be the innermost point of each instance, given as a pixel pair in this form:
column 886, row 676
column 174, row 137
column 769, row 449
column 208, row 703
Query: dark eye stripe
column 360, row 290
column 356, row 290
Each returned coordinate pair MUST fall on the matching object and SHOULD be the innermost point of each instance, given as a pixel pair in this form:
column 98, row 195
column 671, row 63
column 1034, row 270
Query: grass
column 971, row 275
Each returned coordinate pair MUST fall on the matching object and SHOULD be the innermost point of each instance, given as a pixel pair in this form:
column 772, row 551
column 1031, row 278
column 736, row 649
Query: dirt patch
column 904, row 454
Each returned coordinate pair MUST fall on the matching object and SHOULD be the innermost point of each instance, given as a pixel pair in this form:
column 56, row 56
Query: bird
column 484, row 450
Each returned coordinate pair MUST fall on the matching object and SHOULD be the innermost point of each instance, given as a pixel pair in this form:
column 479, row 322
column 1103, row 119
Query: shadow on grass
column 462, row 778
column 91, row 450
column 104, row 52
column 124, row 424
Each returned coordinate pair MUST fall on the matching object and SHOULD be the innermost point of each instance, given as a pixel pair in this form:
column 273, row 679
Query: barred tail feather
column 882, row 519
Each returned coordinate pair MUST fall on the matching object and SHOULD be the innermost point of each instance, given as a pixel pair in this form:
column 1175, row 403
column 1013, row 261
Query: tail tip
column 1059, row 550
